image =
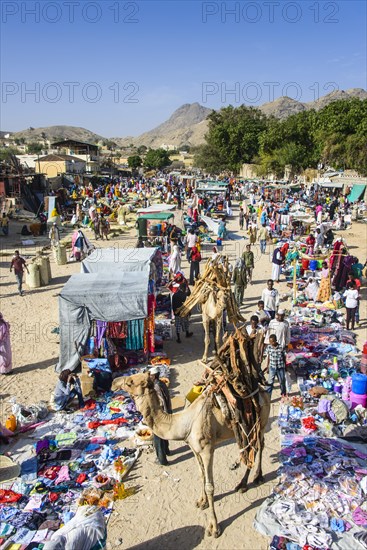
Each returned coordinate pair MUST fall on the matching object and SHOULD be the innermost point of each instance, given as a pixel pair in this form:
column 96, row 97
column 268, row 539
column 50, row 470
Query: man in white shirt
column 191, row 240
column 270, row 297
column 280, row 328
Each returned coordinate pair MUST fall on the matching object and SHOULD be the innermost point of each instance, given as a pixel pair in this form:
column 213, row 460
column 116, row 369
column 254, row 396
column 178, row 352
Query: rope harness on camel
column 234, row 385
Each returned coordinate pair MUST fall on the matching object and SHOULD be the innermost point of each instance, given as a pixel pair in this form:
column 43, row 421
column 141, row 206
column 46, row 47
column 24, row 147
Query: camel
column 212, row 310
column 214, row 295
column 202, row 426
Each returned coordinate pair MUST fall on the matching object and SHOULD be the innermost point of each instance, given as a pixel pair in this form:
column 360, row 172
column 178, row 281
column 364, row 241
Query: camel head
column 136, row 385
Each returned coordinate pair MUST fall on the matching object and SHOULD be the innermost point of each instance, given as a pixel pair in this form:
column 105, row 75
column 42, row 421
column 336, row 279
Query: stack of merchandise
column 67, row 462
column 320, row 500
column 163, row 317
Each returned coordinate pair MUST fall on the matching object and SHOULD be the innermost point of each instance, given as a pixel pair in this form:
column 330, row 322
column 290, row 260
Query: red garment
column 81, row 478
column 50, row 473
column 89, row 405
column 117, row 330
column 96, row 423
column 7, row 495
column 52, row 497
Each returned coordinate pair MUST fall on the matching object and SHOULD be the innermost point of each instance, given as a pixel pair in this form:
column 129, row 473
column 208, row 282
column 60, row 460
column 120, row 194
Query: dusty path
column 162, row 514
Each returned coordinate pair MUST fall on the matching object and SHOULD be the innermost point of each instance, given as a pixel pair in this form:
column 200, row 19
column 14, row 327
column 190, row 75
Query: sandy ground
column 162, row 514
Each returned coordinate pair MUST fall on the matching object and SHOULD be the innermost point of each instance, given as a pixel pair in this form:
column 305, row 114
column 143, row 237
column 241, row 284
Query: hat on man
column 154, row 370
column 281, row 312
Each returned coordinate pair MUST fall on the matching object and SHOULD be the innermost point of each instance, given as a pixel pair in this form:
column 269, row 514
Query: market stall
column 153, row 225
column 107, row 260
column 120, row 297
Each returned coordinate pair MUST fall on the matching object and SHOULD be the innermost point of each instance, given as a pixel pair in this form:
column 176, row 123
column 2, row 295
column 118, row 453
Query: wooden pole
column 294, row 279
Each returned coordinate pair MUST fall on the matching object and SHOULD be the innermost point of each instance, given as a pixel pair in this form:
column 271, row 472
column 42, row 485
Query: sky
column 120, row 68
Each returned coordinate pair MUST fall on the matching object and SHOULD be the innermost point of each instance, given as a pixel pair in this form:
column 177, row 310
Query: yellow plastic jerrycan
column 194, row 393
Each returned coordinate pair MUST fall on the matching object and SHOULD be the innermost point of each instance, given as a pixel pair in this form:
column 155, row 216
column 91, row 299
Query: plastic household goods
column 359, row 383
column 313, row 265
column 358, row 399
column 194, row 393
column 305, row 263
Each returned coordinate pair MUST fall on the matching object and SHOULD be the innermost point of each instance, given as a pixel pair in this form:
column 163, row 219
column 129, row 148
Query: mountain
column 282, row 107
column 187, row 125
column 285, row 106
column 320, row 103
column 57, row 133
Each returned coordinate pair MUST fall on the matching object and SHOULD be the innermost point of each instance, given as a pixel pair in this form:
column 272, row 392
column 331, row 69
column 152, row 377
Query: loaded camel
column 207, row 421
column 214, row 295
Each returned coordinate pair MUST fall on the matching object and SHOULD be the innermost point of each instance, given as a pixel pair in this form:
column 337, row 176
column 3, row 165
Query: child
column 351, row 303
column 64, row 394
column 264, row 317
column 276, row 365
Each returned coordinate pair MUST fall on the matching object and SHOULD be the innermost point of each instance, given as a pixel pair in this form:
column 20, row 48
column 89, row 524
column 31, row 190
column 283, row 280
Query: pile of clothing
column 321, row 497
column 69, row 462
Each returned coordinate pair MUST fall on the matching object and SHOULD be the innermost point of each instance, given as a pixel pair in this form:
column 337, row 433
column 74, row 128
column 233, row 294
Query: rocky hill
column 58, row 133
column 187, row 125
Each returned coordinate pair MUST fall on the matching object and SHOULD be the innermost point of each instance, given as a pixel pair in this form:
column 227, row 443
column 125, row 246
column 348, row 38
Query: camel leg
column 206, row 340
column 218, row 326
column 259, row 478
column 242, row 486
column 207, row 455
column 202, row 503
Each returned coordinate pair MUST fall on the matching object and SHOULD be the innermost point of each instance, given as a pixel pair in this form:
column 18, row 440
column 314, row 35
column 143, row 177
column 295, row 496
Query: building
column 84, row 151
column 56, row 165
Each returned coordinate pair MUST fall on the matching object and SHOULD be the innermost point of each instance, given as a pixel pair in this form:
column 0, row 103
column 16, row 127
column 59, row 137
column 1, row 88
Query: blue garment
column 28, row 469
column 99, row 364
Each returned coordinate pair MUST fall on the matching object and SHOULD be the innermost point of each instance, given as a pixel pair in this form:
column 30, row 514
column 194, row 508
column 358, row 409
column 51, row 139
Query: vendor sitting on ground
column 64, row 393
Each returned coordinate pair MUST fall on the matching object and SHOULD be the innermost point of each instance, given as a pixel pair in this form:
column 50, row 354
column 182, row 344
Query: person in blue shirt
column 65, row 393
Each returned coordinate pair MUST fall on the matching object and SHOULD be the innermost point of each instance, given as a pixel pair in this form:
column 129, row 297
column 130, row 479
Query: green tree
column 142, row 149
column 34, row 148
column 7, row 152
column 134, row 162
column 233, row 137
column 157, row 159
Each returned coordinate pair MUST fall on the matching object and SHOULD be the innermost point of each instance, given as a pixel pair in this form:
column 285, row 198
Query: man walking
column 276, row 365
column 191, row 240
column 18, row 264
column 181, row 323
column 241, row 218
column 270, row 297
column 280, row 328
column 248, row 258
column 161, row 445
column 240, row 281
column 263, row 237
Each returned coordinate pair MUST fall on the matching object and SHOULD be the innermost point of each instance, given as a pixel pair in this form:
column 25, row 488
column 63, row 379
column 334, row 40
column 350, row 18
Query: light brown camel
column 202, row 426
column 213, row 294
column 212, row 308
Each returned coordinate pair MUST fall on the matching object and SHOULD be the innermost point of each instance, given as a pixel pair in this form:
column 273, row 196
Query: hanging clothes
column 135, row 334
column 101, row 329
column 117, row 329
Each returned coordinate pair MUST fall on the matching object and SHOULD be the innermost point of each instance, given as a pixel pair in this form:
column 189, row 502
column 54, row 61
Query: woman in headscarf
column 5, row 347
column 175, row 261
column 80, row 245
column 311, row 289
